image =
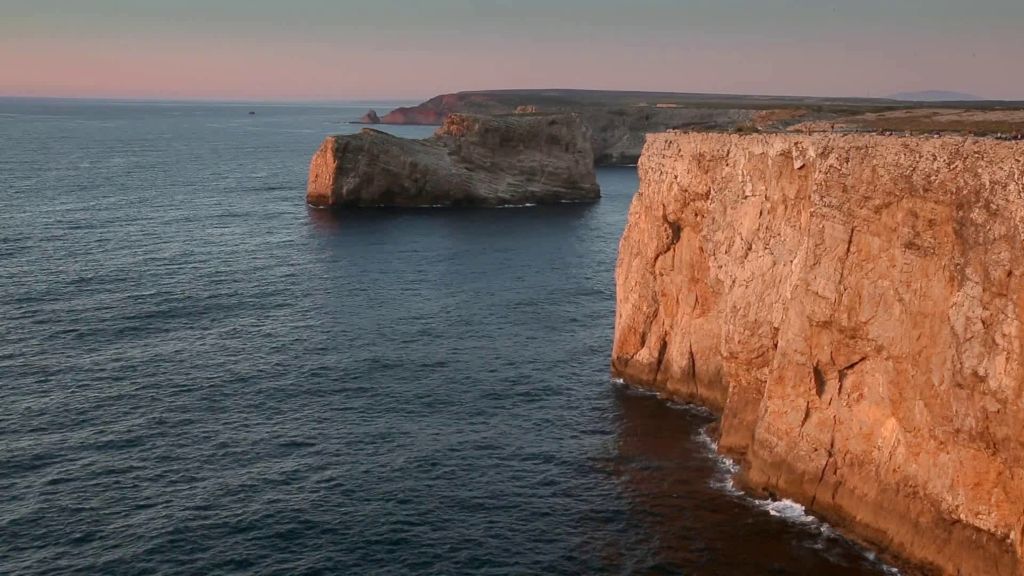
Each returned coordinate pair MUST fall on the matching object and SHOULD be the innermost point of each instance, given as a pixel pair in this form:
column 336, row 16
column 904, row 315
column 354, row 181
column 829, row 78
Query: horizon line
column 210, row 99
column 894, row 96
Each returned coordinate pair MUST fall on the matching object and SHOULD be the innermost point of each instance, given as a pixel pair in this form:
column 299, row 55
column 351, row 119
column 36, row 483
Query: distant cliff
column 617, row 122
column 854, row 307
column 470, row 161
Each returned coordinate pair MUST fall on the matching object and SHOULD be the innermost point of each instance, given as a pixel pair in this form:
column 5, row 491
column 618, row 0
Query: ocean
column 202, row 375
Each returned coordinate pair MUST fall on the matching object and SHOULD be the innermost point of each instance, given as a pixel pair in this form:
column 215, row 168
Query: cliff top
column 660, row 110
column 826, row 136
column 693, row 99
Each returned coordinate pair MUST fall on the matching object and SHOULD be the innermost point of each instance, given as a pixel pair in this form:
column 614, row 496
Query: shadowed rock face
column 470, row 161
column 854, row 306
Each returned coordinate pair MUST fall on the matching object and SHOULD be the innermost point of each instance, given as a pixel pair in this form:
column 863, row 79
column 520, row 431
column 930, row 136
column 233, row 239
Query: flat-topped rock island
column 470, row 161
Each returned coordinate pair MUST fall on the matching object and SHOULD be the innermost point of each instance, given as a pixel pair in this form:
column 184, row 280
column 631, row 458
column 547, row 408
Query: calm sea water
column 200, row 375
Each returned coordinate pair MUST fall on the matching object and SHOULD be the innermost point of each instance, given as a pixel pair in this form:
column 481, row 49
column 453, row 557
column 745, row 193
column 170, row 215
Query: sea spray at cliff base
column 723, row 478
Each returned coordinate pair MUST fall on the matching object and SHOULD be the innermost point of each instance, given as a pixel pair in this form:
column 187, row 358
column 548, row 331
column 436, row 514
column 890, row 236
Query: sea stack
column 369, row 118
column 469, row 161
column 853, row 305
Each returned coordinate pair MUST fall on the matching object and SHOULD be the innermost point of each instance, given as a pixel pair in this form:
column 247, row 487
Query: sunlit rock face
column 470, row 161
column 853, row 306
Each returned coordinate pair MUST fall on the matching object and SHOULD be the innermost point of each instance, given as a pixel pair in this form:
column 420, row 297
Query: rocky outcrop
column 432, row 112
column 470, row 161
column 853, row 306
column 415, row 116
column 370, row 117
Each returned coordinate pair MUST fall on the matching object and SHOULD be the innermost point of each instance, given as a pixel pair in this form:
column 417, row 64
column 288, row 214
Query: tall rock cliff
column 470, row 161
column 853, row 306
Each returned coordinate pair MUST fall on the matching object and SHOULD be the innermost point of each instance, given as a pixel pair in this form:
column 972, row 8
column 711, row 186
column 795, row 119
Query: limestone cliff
column 470, row 161
column 853, row 306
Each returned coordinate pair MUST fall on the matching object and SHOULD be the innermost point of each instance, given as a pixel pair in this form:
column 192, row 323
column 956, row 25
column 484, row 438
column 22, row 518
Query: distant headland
column 619, row 121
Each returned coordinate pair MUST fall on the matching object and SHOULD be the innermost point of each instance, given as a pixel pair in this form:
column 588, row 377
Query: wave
column 724, row 477
column 726, row 468
column 788, row 510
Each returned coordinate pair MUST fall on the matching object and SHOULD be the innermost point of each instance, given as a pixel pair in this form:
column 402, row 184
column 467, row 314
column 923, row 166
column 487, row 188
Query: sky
column 414, row 49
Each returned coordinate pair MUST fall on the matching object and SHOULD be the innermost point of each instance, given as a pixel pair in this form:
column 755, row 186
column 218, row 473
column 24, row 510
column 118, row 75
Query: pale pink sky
column 182, row 55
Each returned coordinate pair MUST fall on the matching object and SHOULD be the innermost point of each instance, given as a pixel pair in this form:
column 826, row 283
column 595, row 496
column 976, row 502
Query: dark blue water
column 200, row 375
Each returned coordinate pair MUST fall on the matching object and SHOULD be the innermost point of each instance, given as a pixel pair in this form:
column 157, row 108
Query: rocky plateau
column 470, row 161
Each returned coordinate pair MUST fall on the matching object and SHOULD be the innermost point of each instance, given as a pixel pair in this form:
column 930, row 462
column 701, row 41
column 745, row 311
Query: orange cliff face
column 853, row 306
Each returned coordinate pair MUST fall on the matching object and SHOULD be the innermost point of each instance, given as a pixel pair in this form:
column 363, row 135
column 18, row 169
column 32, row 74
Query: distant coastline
column 620, row 120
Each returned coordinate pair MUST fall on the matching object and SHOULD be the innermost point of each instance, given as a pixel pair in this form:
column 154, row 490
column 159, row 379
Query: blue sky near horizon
column 323, row 49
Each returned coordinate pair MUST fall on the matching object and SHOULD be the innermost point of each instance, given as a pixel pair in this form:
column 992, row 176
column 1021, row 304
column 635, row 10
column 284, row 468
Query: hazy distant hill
column 935, row 96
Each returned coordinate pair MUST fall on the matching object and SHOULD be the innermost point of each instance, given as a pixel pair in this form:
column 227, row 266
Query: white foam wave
column 785, row 509
column 724, row 479
column 726, row 468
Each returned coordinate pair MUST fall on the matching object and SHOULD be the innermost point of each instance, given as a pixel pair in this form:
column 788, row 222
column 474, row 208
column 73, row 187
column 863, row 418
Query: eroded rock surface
column 853, row 306
column 470, row 161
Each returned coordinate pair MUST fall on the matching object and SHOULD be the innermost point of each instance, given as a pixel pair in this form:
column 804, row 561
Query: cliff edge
column 470, row 161
column 853, row 306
